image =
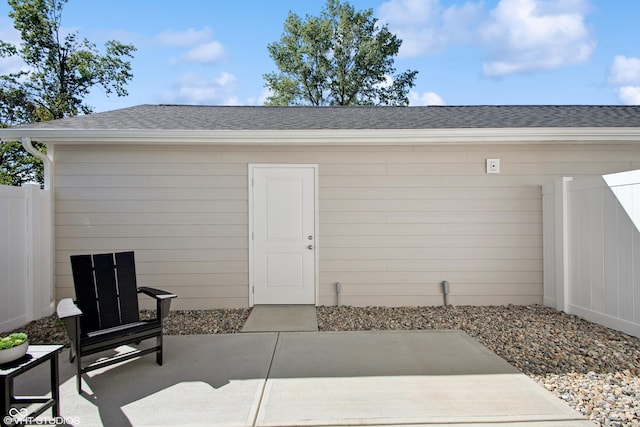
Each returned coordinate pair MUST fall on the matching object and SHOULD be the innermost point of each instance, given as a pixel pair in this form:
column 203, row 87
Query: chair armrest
column 163, row 300
column 156, row 293
column 67, row 308
column 70, row 314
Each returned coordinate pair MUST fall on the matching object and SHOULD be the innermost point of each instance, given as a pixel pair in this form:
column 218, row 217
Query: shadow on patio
column 326, row 378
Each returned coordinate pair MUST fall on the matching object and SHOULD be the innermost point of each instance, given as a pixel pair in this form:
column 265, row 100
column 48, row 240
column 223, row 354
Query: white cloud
column 185, row 38
column 624, row 70
column 199, row 44
column 11, row 65
column 205, row 53
column 426, row 98
column 629, row 95
column 7, row 32
column 259, row 99
column 415, row 98
column 533, row 35
column 195, row 88
column 519, row 36
column 625, row 74
column 387, row 83
column 225, row 79
column 10, row 35
column 425, row 26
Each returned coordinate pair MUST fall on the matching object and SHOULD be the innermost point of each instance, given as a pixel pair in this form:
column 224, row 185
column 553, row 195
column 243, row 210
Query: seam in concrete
column 266, row 379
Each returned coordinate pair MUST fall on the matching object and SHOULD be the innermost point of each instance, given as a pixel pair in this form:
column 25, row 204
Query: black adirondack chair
column 105, row 314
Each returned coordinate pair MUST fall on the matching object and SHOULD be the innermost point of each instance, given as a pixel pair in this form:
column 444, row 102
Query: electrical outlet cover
column 493, row 165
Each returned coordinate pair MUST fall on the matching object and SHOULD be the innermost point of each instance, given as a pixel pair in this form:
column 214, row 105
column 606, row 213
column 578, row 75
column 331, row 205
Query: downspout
column 47, row 160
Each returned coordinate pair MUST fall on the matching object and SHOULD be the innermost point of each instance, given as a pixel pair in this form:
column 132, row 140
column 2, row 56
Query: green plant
column 12, row 340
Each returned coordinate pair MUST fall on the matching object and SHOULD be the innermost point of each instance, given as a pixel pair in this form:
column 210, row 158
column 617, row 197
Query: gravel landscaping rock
column 594, row 369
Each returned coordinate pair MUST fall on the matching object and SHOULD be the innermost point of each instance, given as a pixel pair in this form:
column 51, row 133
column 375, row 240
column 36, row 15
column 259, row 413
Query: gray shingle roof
column 187, row 117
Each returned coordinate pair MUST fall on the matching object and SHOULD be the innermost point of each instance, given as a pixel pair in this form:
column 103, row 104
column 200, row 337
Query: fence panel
column 593, row 269
column 26, row 263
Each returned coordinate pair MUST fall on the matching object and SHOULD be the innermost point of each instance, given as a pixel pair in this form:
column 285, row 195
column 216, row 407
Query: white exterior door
column 282, row 225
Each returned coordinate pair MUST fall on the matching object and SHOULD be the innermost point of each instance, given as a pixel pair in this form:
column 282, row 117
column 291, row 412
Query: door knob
column 310, row 247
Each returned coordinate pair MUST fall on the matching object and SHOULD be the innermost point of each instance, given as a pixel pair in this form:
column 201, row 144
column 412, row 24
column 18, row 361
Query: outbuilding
column 234, row 206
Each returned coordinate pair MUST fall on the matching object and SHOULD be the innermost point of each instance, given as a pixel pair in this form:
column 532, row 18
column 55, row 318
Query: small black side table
column 36, row 355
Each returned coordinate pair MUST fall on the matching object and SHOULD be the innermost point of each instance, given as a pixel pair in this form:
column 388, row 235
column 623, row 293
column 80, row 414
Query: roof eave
column 509, row 136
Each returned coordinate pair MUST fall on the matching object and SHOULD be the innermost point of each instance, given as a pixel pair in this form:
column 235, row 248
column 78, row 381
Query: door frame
column 316, row 224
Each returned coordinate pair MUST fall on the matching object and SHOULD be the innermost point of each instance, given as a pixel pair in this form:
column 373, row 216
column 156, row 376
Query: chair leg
column 159, row 351
column 79, row 373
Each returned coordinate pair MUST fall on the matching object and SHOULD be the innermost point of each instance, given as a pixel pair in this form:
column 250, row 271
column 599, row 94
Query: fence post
column 40, row 295
column 562, row 244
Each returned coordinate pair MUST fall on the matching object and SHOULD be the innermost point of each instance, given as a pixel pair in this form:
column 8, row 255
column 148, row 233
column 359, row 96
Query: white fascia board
column 481, row 136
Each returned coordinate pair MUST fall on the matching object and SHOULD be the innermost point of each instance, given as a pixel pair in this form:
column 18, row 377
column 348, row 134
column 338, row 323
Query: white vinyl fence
column 26, row 263
column 592, row 251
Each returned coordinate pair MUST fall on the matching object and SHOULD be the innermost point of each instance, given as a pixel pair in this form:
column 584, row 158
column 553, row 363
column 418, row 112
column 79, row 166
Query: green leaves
column 62, row 69
column 60, row 72
column 339, row 58
column 17, row 166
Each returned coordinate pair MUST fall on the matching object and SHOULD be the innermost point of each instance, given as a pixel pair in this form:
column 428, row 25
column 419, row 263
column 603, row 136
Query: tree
column 341, row 57
column 61, row 69
column 17, row 166
column 59, row 72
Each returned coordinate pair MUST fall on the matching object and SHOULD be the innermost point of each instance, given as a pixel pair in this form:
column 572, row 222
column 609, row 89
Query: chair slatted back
column 84, row 284
column 128, row 287
column 106, row 290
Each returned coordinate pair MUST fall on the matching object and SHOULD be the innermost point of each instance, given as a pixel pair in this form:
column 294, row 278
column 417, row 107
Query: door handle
column 310, row 247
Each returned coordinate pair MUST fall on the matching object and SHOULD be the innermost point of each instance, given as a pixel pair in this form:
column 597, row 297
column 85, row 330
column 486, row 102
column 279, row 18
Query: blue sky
column 471, row 52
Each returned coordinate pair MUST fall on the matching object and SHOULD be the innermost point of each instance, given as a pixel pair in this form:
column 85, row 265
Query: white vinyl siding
column 394, row 220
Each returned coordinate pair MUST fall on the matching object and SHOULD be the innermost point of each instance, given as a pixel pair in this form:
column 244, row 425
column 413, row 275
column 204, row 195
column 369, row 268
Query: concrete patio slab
column 206, row 380
column 312, row 378
column 282, row 318
column 399, row 378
